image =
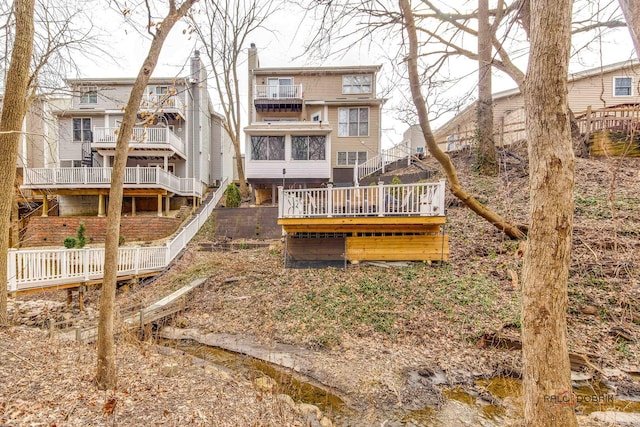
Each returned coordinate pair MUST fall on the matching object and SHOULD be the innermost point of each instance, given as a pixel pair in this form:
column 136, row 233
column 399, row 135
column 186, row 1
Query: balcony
column 144, row 141
column 277, row 98
column 163, row 104
column 138, row 177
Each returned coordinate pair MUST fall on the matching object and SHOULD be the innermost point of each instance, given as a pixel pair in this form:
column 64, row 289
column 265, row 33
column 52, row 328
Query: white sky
column 280, row 46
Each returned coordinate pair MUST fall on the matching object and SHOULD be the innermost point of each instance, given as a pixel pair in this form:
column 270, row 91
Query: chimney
column 196, row 67
column 253, row 60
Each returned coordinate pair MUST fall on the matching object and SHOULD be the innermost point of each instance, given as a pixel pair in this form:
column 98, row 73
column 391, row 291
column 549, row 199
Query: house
column 611, row 86
column 309, row 126
column 179, row 149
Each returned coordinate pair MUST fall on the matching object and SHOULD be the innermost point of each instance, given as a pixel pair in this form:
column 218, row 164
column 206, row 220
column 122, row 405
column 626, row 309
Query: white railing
column 379, row 162
column 140, row 135
column 277, row 92
column 420, row 199
column 42, row 268
column 133, row 177
column 161, row 102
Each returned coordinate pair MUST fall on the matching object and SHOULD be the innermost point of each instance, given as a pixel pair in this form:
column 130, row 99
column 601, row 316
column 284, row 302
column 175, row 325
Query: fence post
column 280, row 201
column 137, row 260
column 85, row 263
column 355, row 174
column 329, row 200
column 12, row 270
column 137, row 174
column 441, row 191
column 380, row 198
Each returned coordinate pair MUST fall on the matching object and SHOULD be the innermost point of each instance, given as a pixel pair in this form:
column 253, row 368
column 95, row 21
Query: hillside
column 391, row 341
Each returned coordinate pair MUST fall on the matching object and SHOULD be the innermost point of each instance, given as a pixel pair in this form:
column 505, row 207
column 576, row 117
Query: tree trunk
column 631, row 10
column 244, row 189
column 444, row 160
column 106, row 368
column 13, row 112
column 545, row 273
column 486, row 161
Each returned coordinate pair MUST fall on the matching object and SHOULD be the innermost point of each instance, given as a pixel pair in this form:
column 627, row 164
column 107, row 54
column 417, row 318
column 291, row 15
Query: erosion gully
column 462, row 405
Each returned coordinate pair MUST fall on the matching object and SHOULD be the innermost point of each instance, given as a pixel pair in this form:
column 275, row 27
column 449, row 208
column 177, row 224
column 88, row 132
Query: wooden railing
column 133, row 177
column 420, row 199
column 162, row 102
column 625, row 119
column 42, row 268
column 378, row 163
column 140, row 135
column 277, row 92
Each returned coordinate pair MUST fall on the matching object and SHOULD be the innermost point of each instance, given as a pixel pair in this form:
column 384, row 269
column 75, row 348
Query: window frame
column 349, row 123
column 91, row 92
column 82, row 130
column 357, row 157
column 357, row 87
column 268, row 150
column 615, row 86
column 308, row 149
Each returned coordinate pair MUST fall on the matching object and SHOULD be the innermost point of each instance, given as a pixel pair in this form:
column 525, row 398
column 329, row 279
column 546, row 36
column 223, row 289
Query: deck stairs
column 392, row 158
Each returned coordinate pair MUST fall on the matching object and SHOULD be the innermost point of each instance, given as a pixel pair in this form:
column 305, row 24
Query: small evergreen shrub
column 120, row 240
column 69, row 242
column 81, row 239
column 232, row 195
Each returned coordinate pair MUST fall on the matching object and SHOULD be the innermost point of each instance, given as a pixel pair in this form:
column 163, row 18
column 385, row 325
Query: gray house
column 177, row 149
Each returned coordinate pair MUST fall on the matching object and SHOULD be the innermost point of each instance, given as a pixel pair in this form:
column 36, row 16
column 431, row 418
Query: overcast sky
column 282, row 45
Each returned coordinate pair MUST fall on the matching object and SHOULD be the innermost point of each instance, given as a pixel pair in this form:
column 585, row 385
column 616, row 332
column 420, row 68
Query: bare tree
column 223, row 31
column 106, row 368
column 545, row 271
column 486, row 158
column 436, row 152
column 631, row 10
column 13, row 112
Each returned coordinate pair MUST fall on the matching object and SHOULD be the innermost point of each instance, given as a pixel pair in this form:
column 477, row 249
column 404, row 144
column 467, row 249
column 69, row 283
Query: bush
column 120, row 240
column 232, row 195
column 70, row 242
column 81, row 239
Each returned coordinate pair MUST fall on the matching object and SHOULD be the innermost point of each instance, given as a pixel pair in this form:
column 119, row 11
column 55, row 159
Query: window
column 267, row 148
column 88, row 95
column 348, row 158
column 82, row 130
column 360, row 83
column 281, row 87
column 622, row 86
column 317, row 117
column 353, row 121
column 162, row 90
column 308, row 147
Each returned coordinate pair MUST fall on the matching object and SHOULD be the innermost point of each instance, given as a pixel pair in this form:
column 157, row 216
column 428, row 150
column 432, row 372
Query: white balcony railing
column 161, row 103
column 277, row 92
column 378, row 163
column 42, row 268
column 101, row 177
column 421, row 199
column 140, row 135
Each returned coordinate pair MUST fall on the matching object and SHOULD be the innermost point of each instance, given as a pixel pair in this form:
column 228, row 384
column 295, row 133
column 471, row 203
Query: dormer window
column 88, row 95
column 358, row 83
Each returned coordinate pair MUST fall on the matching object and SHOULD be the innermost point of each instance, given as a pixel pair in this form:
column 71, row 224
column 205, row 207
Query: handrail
column 419, row 199
column 41, row 268
column 140, row 135
column 133, row 176
column 379, row 162
column 277, row 92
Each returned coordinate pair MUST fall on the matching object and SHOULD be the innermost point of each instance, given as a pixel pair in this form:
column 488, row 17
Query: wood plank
column 398, row 248
column 364, row 228
column 372, row 220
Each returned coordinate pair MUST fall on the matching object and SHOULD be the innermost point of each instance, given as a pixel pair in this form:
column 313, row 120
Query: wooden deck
column 377, row 223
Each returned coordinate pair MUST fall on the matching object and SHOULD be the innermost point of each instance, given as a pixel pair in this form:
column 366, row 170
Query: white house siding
column 67, row 149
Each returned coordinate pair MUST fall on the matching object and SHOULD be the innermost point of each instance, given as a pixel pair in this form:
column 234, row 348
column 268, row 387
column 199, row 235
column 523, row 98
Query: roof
column 354, row 69
column 123, row 80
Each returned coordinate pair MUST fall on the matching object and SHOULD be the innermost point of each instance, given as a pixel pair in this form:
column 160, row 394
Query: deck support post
column 81, row 298
column 167, row 205
column 133, row 206
column 274, row 190
column 45, row 205
column 159, row 204
column 69, row 297
column 100, row 205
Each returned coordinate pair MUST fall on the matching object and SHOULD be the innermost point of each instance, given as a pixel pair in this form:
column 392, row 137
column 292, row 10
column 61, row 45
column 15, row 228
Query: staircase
column 87, row 154
column 397, row 156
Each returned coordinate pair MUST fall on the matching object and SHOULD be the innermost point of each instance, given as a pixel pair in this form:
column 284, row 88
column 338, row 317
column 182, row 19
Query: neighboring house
column 603, row 87
column 309, row 126
column 172, row 158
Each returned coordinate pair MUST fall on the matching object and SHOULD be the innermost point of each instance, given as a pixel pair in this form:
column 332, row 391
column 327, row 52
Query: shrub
column 120, row 240
column 232, row 195
column 81, row 239
column 70, row 242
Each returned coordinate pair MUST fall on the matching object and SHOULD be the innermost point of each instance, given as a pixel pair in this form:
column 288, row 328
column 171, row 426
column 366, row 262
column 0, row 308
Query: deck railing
column 378, row 163
column 625, row 119
column 162, row 102
column 140, row 135
column 42, row 268
column 420, row 199
column 277, row 92
column 133, row 177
